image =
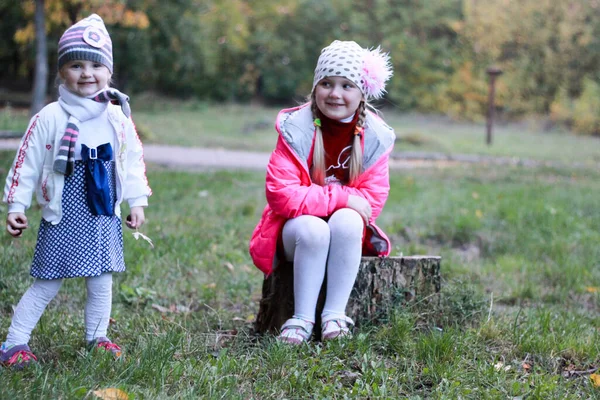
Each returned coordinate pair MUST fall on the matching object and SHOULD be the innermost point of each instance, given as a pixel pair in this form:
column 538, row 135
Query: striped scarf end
column 62, row 166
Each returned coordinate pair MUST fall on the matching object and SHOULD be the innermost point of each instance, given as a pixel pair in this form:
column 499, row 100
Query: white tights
column 33, row 303
column 316, row 247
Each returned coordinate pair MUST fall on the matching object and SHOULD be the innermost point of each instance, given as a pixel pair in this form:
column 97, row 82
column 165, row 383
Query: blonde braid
column 318, row 167
column 356, row 157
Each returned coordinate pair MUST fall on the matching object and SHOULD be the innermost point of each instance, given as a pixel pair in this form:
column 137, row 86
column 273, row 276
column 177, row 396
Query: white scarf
column 81, row 109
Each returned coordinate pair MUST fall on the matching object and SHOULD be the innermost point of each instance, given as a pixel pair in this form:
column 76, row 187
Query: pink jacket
column 291, row 193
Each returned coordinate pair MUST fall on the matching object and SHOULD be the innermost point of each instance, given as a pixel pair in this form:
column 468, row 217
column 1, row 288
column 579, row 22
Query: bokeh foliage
column 243, row 50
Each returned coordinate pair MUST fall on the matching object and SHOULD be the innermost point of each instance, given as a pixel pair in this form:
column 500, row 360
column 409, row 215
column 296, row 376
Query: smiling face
column 85, row 78
column 337, row 97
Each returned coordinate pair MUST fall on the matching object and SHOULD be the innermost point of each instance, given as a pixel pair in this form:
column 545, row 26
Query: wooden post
column 381, row 284
column 493, row 72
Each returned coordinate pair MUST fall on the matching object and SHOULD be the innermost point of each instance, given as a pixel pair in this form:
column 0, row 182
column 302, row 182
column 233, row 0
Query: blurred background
column 516, row 220
column 264, row 52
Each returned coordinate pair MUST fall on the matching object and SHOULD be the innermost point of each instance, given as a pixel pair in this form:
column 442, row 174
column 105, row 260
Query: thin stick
column 491, row 305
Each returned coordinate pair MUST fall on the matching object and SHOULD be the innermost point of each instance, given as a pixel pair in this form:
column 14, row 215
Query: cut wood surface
column 381, row 284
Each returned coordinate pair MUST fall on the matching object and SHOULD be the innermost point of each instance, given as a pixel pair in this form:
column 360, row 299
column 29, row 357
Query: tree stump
column 381, row 284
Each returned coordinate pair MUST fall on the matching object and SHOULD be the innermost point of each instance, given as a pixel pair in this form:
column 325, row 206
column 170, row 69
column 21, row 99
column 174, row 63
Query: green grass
column 192, row 123
column 241, row 127
column 251, row 128
column 522, row 140
column 519, row 310
column 13, row 119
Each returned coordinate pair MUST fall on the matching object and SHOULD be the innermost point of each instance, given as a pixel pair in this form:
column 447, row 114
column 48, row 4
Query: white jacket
column 32, row 169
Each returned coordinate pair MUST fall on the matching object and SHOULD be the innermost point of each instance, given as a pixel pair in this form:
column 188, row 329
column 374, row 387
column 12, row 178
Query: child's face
column 85, row 78
column 337, row 97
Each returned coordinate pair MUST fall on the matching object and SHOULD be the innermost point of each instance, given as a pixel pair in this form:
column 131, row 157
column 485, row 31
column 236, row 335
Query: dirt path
column 193, row 158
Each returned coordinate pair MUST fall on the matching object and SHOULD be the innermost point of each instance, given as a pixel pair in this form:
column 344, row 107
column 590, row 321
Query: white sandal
column 295, row 331
column 333, row 327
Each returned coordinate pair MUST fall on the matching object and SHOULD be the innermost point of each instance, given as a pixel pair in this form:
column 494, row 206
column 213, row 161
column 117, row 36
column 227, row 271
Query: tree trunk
column 381, row 284
column 40, row 82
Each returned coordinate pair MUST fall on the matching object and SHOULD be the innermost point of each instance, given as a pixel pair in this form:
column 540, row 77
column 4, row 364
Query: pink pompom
column 377, row 70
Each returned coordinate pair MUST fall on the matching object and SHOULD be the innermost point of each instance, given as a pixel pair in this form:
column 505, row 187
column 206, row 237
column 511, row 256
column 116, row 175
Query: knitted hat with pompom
column 368, row 69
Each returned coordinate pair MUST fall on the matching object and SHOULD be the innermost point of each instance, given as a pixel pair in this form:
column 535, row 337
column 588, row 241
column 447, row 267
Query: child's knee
column 313, row 231
column 99, row 284
column 347, row 222
column 47, row 289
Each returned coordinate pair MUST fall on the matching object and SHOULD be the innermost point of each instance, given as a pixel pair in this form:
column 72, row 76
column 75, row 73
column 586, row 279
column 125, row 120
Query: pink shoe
column 105, row 344
column 17, row 357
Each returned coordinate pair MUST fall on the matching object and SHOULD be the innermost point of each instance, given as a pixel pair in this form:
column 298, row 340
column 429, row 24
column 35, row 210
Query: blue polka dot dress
column 81, row 244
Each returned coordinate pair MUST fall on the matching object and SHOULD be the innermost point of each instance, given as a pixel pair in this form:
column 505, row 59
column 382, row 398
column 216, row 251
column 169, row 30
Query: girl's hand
column 361, row 206
column 136, row 218
column 15, row 223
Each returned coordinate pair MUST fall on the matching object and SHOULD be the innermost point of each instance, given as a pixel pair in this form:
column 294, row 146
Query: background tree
column 422, row 42
column 541, row 45
column 260, row 50
column 58, row 15
column 41, row 60
column 12, row 58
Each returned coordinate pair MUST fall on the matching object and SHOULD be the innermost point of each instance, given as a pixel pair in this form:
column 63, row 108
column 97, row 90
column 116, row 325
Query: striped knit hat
column 87, row 40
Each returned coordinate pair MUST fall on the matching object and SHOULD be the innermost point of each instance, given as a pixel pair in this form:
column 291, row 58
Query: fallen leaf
column 160, row 308
column 137, row 235
column 229, row 266
column 499, row 366
column 173, row 308
column 347, row 378
column 570, row 368
column 182, row 309
column 111, row 394
column 595, row 379
column 225, row 338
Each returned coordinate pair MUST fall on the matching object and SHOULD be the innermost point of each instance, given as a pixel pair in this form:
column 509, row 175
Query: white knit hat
column 368, row 69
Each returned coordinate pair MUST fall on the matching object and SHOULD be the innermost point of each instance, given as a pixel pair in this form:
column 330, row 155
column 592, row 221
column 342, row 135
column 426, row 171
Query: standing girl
column 82, row 157
column 327, row 181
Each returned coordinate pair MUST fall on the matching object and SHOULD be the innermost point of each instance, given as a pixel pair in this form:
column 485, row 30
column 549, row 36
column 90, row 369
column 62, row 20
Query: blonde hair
column 356, row 156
